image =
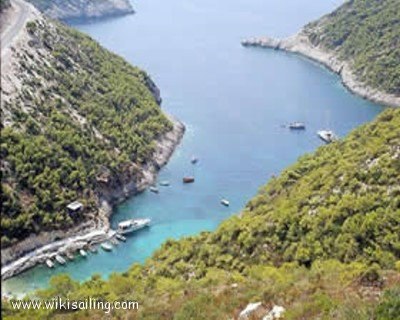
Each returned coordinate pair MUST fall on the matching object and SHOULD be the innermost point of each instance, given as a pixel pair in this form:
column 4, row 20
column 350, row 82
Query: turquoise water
column 233, row 101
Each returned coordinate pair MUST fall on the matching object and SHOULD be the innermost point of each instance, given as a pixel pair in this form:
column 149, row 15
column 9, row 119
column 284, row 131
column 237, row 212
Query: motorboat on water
column 165, row 183
column 120, row 237
column 225, row 202
column 93, row 249
column 188, row 179
column 83, row 253
column 70, row 255
column 106, row 246
column 327, row 135
column 60, row 259
column 194, row 160
column 131, row 225
column 114, row 241
column 49, row 263
column 297, row 126
column 154, row 189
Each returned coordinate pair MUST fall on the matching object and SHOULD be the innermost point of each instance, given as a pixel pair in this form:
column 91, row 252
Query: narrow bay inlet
column 231, row 148
column 184, row 158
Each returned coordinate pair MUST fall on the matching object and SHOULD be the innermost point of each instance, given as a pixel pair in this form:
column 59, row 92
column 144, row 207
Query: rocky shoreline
column 300, row 44
column 36, row 249
column 75, row 10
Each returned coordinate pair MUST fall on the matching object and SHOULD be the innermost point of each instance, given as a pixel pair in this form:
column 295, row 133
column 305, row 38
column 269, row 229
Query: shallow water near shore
column 233, row 101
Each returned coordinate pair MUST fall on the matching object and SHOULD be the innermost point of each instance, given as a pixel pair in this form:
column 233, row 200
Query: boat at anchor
column 131, row 225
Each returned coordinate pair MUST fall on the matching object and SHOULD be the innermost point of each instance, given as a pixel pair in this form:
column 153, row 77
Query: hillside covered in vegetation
column 78, row 121
column 322, row 240
column 365, row 32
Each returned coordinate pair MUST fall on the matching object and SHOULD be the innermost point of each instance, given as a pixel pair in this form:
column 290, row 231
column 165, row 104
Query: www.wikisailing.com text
column 58, row 303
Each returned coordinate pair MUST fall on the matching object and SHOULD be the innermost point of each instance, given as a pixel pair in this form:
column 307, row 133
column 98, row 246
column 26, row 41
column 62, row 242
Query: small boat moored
column 106, row 246
column 120, row 237
column 132, row 225
column 70, row 255
column 165, row 183
column 327, row 135
column 297, row 126
column 194, row 160
column 83, row 253
column 49, row 263
column 114, row 241
column 225, row 202
column 93, row 249
column 154, row 189
column 60, row 259
column 188, row 179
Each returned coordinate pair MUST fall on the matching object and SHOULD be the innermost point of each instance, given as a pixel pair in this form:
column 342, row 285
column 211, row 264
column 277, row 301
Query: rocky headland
column 83, row 9
column 300, row 44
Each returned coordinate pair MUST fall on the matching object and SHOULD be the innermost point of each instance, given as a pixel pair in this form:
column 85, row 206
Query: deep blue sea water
column 233, row 101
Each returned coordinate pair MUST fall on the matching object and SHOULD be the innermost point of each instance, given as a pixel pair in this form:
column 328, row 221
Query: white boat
column 83, row 253
column 70, row 255
column 114, row 241
column 60, row 259
column 164, row 183
column 49, row 263
column 120, row 237
column 106, row 246
column 132, row 225
column 327, row 135
column 225, row 202
column 93, row 249
column 297, row 125
column 194, row 160
column 154, row 189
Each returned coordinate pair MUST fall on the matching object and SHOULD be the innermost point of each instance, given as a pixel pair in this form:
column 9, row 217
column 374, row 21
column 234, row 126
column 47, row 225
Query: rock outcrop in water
column 83, row 9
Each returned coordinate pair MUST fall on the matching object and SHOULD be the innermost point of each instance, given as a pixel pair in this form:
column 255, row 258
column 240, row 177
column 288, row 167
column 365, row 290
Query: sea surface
column 234, row 102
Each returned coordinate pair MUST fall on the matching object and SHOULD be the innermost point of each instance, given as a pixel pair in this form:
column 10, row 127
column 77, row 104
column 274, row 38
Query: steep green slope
column 322, row 240
column 342, row 202
column 366, row 32
column 83, row 121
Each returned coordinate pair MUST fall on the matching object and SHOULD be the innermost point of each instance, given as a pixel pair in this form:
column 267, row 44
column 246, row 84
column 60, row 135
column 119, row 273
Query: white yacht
column 132, row 225
column 83, row 253
column 225, row 202
column 120, row 237
column 60, row 259
column 327, row 135
column 49, row 263
column 106, row 246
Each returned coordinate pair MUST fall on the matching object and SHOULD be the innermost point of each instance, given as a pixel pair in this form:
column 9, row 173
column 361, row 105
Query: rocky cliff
column 83, row 9
column 4, row 4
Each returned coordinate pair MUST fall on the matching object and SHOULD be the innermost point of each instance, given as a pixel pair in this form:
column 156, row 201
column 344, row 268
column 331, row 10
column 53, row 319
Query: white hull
column 60, row 259
column 132, row 225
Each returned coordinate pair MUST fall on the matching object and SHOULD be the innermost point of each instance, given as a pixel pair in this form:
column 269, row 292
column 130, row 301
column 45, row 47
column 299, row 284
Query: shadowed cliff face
column 83, row 9
column 4, row 4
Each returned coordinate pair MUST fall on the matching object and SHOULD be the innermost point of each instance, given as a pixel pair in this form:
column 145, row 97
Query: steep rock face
column 83, row 9
column 4, row 4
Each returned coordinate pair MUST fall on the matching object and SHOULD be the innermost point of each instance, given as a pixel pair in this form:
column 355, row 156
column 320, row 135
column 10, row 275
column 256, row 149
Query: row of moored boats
column 124, row 227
